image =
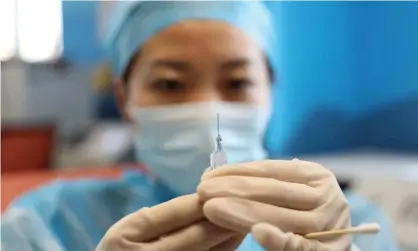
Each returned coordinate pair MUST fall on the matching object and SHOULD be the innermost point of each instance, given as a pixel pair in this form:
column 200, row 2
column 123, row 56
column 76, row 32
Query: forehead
column 201, row 40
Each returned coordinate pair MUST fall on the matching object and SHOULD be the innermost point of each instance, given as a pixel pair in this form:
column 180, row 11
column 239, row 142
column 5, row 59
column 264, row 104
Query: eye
column 168, row 85
column 239, row 84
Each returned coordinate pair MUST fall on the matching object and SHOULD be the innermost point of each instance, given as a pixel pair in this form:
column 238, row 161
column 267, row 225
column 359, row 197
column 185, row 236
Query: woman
column 179, row 64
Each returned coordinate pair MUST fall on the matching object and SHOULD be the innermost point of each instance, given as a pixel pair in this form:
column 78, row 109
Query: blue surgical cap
column 135, row 22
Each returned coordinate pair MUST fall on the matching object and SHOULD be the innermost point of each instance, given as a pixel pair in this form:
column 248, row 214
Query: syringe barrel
column 218, row 158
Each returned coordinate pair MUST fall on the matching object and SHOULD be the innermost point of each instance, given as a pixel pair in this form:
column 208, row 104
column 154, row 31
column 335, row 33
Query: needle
column 218, row 138
column 218, row 157
column 217, row 117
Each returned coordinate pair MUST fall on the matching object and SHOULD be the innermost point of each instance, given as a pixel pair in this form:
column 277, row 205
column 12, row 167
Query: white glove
column 273, row 239
column 295, row 196
column 175, row 225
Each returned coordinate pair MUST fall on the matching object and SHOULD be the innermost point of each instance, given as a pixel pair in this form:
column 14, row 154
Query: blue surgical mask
column 176, row 141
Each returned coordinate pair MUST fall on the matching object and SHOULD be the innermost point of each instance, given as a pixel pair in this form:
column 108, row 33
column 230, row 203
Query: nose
column 211, row 95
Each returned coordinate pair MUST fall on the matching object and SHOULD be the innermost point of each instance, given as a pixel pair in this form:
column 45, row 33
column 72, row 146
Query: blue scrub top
column 74, row 215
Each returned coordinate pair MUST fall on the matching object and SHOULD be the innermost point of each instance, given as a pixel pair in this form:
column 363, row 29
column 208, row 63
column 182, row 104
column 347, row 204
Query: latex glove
column 175, row 225
column 273, row 239
column 296, row 196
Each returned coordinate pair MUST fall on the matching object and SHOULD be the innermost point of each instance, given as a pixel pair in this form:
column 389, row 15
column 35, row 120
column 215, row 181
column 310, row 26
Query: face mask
column 176, row 141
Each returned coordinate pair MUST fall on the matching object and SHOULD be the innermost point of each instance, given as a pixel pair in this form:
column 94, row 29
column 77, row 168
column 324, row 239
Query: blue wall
column 348, row 76
column 388, row 73
column 81, row 43
column 313, row 102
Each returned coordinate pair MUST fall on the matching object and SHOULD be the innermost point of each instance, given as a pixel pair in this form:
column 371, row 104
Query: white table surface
column 370, row 164
column 387, row 179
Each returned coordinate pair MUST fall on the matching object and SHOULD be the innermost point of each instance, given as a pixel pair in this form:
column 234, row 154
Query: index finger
column 197, row 237
column 150, row 223
column 295, row 170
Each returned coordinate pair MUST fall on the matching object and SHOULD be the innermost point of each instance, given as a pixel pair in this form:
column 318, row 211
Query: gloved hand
column 295, row 196
column 175, row 225
column 272, row 238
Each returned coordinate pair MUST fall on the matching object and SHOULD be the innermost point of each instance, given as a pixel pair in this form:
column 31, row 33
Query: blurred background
column 346, row 97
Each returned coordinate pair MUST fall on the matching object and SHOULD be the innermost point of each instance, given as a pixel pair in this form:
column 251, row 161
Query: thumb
column 273, row 239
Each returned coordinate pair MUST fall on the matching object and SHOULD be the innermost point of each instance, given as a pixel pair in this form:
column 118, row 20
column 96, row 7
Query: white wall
column 13, row 91
column 36, row 92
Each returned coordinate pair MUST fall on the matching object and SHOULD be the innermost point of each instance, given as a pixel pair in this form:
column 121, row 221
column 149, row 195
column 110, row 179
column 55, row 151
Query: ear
column 120, row 91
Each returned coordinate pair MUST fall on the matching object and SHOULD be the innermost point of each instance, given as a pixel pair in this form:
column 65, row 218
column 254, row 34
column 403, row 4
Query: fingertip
column 212, row 212
column 211, row 208
column 205, row 174
column 270, row 237
column 207, row 170
column 207, row 189
column 215, row 211
column 201, row 192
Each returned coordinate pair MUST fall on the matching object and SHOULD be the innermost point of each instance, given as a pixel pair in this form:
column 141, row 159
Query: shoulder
column 53, row 193
column 26, row 224
column 85, row 208
column 49, row 198
column 44, row 196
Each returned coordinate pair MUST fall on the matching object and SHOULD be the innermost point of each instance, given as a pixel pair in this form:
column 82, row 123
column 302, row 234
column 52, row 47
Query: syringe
column 218, row 157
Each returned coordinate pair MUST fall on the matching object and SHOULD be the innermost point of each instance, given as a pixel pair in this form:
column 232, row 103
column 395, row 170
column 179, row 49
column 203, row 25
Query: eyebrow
column 184, row 66
column 173, row 64
column 235, row 63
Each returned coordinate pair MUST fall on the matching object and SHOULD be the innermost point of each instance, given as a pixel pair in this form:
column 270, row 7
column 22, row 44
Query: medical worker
column 178, row 64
